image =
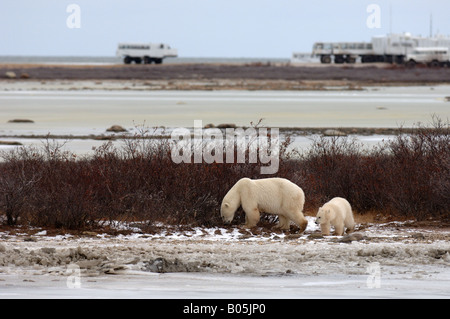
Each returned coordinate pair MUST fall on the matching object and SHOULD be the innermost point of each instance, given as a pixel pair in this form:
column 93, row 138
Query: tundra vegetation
column 48, row 186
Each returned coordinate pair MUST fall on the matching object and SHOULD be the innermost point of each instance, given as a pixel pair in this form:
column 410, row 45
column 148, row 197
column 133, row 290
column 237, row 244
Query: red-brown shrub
column 408, row 175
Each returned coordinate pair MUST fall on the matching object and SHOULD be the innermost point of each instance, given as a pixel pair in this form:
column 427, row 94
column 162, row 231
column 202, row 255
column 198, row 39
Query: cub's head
column 227, row 212
column 322, row 216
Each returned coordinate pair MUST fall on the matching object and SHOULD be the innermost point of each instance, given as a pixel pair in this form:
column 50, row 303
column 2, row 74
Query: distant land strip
column 357, row 74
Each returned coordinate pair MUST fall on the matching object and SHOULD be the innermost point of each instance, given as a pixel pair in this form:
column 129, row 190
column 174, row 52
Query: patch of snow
column 221, row 259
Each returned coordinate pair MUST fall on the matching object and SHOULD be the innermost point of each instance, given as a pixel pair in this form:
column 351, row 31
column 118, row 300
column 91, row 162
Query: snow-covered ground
column 393, row 260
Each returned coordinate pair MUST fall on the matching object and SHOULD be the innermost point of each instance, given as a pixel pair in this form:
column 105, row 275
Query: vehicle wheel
column 388, row 58
column 351, row 59
column 147, row 60
column 366, row 59
column 127, row 60
column 434, row 64
column 338, row 59
column 137, row 60
column 325, row 59
column 399, row 59
column 158, row 61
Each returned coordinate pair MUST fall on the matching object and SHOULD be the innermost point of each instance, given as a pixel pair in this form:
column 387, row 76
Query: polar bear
column 277, row 196
column 336, row 212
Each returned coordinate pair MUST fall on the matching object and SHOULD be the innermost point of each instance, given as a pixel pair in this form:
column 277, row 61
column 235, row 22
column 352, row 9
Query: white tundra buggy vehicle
column 145, row 52
column 431, row 56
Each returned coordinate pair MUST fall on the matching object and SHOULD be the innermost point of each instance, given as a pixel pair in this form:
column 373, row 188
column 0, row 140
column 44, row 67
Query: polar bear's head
column 227, row 212
column 322, row 215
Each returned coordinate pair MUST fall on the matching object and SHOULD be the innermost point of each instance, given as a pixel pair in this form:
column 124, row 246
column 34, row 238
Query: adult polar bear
column 275, row 195
column 336, row 212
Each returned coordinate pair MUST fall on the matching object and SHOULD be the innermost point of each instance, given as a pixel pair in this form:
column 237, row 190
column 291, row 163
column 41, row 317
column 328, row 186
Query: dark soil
column 363, row 74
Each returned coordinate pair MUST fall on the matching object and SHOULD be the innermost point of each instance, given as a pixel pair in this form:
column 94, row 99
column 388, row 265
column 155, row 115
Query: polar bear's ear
column 226, row 205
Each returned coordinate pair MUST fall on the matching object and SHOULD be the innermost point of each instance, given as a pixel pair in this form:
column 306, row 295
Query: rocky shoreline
column 11, row 140
column 220, row 250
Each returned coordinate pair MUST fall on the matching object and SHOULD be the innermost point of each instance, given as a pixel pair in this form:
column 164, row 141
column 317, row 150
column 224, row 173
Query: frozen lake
column 86, row 112
column 227, row 286
column 91, row 112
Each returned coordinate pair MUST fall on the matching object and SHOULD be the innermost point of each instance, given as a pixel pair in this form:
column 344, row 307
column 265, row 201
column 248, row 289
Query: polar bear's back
column 342, row 206
column 275, row 193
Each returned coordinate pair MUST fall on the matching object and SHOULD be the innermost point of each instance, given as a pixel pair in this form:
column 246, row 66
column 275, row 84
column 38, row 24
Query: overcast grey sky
column 207, row 28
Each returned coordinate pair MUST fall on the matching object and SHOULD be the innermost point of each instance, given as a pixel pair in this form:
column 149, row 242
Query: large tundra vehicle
column 431, row 56
column 343, row 52
column 392, row 48
column 145, row 52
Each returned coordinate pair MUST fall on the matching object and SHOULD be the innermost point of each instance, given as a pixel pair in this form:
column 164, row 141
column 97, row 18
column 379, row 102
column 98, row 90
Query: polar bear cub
column 275, row 195
column 336, row 212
